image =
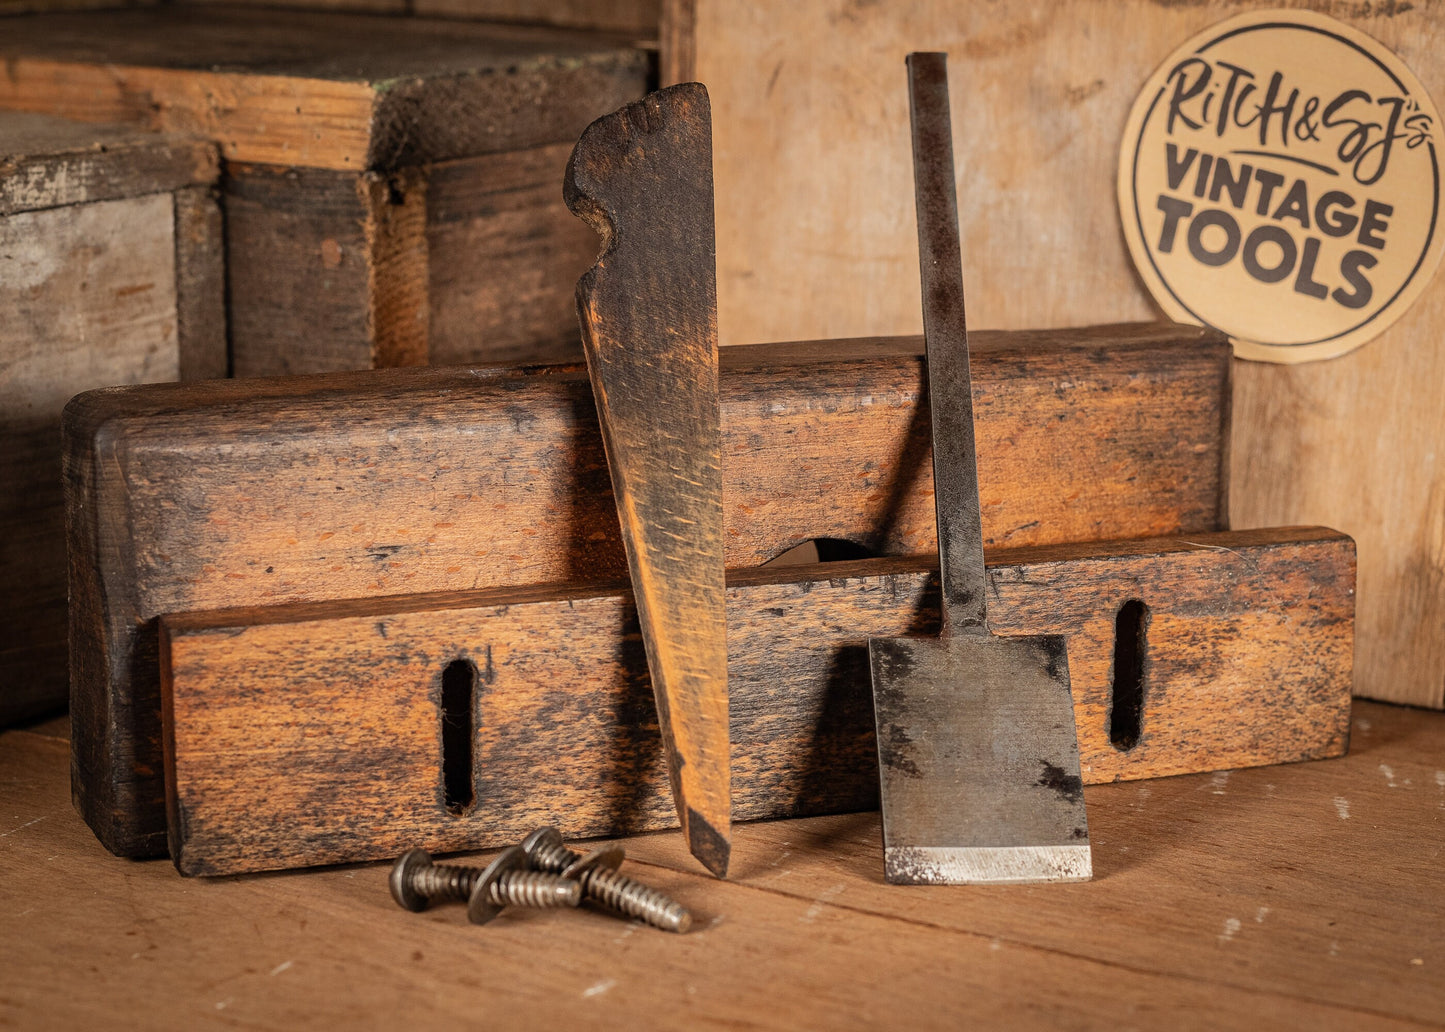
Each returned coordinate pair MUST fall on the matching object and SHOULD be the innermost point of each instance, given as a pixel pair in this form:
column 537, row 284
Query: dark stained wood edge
column 221, row 621
column 176, row 826
column 103, row 727
column 89, row 163
column 1226, row 434
column 539, row 100
column 1114, row 336
column 200, row 284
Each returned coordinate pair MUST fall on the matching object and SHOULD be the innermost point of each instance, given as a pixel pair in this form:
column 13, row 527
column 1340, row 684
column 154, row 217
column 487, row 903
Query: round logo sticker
column 1279, row 180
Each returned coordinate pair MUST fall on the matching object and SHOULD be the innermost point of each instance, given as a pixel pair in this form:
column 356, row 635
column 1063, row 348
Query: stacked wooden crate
column 391, row 194
column 392, row 185
column 110, row 273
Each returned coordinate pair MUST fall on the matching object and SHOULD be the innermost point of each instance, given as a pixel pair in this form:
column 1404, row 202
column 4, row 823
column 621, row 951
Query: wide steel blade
column 642, row 177
column 978, row 761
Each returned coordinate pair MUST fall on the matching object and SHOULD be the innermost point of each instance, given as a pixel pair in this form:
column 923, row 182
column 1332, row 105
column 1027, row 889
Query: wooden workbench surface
column 1303, row 896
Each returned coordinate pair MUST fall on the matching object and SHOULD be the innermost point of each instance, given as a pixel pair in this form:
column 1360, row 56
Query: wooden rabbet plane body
column 193, row 497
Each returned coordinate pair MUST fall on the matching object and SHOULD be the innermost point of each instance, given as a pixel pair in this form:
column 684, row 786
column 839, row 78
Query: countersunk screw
column 597, row 874
column 416, row 883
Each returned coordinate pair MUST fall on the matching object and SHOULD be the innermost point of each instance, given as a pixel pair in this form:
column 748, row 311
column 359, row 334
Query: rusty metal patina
column 977, row 751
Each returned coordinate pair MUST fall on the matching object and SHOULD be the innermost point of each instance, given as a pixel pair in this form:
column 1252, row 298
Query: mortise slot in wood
column 822, row 550
column 1131, row 644
column 458, row 702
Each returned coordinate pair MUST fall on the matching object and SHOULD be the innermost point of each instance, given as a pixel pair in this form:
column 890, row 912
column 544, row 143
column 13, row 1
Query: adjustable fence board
column 411, row 480
column 309, row 735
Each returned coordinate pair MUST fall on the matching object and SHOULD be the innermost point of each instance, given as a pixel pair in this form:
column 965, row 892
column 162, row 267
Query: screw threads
column 446, row 882
column 535, row 889
column 619, row 892
column 541, row 872
column 552, row 856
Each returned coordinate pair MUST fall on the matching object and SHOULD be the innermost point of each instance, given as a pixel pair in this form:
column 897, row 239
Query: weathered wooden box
column 110, row 273
column 393, row 185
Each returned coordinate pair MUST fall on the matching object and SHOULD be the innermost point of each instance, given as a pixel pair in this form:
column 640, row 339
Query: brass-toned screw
column 600, row 881
column 416, row 883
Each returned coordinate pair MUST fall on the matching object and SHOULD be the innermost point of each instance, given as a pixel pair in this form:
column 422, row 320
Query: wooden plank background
column 110, row 273
column 815, row 236
column 87, row 297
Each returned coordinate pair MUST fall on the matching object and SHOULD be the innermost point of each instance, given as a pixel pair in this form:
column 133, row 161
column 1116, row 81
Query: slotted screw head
column 481, row 908
column 403, row 879
column 546, row 850
column 608, row 858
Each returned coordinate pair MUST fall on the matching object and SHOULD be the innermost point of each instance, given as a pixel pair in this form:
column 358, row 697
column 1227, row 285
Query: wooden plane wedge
column 642, row 177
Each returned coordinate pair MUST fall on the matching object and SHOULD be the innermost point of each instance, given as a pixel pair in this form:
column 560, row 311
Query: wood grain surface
column 815, row 229
column 326, row 270
column 87, row 297
column 311, row 734
column 1301, row 896
column 319, row 90
column 638, row 18
column 109, row 274
column 641, row 177
column 465, row 261
column 201, row 328
column 361, row 484
column 48, row 162
column 505, row 255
